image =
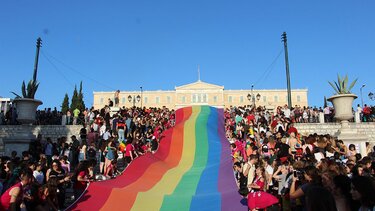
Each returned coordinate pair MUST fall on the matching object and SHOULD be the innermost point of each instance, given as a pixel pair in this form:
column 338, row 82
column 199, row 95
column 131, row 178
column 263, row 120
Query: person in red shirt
column 292, row 129
column 259, row 198
column 83, row 175
column 274, row 123
column 129, row 151
column 13, row 197
column 366, row 113
column 250, row 118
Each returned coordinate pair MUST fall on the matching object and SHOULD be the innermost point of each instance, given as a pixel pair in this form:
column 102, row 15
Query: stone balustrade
column 11, row 132
column 18, row 133
column 363, row 128
column 350, row 133
column 52, row 131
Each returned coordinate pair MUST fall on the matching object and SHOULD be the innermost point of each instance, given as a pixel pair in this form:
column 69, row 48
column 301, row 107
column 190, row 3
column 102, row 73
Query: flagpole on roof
column 199, row 74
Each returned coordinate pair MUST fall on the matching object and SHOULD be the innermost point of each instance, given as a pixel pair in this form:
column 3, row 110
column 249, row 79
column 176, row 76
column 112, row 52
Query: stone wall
column 52, row 131
column 364, row 128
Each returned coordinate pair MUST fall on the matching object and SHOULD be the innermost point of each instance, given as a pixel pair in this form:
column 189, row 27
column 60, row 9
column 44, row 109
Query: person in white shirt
column 286, row 111
column 102, row 130
column 91, row 116
column 360, row 111
column 269, row 171
column 38, row 173
column 327, row 113
column 106, row 135
column 249, row 169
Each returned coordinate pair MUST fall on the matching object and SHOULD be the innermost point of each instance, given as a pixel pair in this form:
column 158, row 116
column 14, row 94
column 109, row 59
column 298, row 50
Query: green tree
column 74, row 103
column 65, row 104
column 80, row 102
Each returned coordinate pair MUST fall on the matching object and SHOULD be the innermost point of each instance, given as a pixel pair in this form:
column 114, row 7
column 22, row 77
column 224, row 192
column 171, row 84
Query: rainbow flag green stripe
column 186, row 188
column 192, row 170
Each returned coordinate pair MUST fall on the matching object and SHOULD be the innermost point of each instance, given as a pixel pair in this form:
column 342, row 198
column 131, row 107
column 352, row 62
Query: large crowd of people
column 298, row 114
column 275, row 167
column 38, row 179
column 278, row 168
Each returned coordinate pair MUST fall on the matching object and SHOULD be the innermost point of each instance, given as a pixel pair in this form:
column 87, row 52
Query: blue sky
column 157, row 44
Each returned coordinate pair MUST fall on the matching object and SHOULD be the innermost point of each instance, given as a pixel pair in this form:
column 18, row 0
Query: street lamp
column 371, row 96
column 363, row 85
column 134, row 99
column 258, row 97
column 251, row 97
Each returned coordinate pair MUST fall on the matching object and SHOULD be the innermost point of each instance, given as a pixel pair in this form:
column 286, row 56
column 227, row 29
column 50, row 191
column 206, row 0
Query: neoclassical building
column 202, row 93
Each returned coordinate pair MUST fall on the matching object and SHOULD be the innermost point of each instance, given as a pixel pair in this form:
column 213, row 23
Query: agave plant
column 32, row 86
column 341, row 85
column 30, row 91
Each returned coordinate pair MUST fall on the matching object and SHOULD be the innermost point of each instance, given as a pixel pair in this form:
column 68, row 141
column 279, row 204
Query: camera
column 298, row 174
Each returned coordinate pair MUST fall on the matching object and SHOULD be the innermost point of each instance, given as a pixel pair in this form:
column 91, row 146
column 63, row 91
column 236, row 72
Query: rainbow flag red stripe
column 192, row 170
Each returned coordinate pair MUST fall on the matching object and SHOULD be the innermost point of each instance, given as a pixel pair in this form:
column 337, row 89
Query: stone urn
column 26, row 109
column 343, row 106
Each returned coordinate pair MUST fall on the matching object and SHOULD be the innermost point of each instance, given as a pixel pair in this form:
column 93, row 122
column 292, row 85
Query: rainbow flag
column 192, row 170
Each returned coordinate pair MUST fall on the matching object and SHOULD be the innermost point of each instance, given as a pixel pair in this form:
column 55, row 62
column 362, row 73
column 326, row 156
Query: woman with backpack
column 91, row 152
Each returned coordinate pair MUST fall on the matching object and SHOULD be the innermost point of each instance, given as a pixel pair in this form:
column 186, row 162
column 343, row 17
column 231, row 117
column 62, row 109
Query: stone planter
column 26, row 109
column 343, row 112
column 343, row 106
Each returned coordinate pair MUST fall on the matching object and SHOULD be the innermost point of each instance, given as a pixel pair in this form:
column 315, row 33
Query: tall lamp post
column 251, row 97
column 285, row 40
column 363, row 85
column 134, row 99
column 141, row 96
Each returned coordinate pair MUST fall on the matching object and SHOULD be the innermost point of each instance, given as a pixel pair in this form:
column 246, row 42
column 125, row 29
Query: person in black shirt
column 83, row 133
column 282, row 149
column 241, row 179
column 75, row 151
column 110, row 102
column 56, row 172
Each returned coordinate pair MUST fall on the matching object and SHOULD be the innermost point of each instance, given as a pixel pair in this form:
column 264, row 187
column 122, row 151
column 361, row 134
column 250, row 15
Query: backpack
column 91, row 153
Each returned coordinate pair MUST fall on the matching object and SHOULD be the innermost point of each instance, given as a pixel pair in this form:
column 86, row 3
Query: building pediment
column 199, row 85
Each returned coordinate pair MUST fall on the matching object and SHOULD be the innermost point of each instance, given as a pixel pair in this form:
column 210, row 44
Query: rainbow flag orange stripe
column 192, row 170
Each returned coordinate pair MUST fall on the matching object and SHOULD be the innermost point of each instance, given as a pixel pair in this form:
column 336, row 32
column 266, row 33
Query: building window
column 215, row 99
column 276, row 99
column 157, row 99
column 199, row 98
column 183, row 99
column 241, row 99
column 146, row 99
column 101, row 100
column 123, row 100
column 230, row 99
column 298, row 98
column 168, row 99
column 264, row 99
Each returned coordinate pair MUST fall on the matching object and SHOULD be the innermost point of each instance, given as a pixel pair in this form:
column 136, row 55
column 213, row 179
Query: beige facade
column 202, row 93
